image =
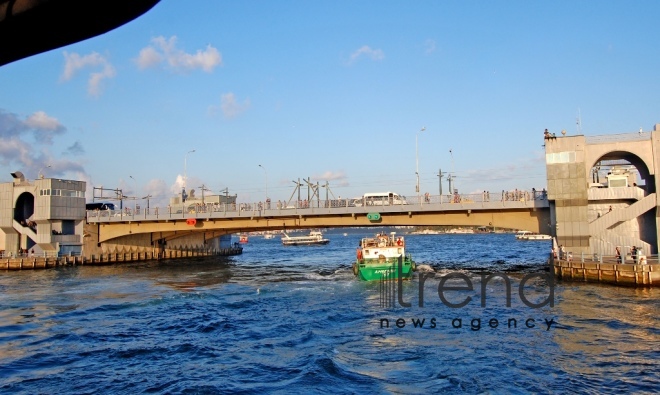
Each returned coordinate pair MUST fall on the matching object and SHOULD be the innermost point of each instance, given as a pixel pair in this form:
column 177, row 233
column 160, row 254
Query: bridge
column 601, row 193
column 525, row 210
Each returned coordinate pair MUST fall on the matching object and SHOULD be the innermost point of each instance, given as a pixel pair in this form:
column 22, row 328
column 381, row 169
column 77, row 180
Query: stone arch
column 24, row 207
column 645, row 169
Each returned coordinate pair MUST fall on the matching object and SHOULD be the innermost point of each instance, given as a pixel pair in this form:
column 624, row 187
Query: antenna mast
column 578, row 121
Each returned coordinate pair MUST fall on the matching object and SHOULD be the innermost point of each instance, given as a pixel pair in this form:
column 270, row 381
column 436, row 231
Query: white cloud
column 373, row 54
column 73, row 63
column 160, row 195
column 148, row 57
column 44, row 127
column 163, row 49
column 30, row 155
column 178, row 184
column 231, row 107
column 95, row 79
column 41, row 120
column 429, row 46
column 330, row 176
column 14, row 150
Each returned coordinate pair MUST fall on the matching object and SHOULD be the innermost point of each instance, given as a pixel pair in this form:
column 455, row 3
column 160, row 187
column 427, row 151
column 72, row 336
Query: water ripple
column 294, row 320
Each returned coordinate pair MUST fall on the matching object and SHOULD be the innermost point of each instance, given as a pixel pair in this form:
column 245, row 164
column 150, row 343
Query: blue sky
column 334, row 91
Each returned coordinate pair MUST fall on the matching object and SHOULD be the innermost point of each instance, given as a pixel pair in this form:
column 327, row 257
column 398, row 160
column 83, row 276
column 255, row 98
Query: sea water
column 286, row 320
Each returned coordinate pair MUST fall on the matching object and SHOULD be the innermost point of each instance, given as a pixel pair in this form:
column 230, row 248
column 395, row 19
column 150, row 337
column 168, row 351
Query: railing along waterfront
column 626, row 269
column 426, row 202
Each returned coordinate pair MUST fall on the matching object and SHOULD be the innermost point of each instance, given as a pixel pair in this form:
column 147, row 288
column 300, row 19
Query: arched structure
column 602, row 191
column 44, row 216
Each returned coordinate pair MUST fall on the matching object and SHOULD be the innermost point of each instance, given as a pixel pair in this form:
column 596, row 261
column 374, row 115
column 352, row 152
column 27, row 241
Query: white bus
column 380, row 199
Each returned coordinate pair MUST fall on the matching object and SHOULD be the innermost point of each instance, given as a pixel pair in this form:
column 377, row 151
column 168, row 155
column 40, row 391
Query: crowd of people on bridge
column 521, row 195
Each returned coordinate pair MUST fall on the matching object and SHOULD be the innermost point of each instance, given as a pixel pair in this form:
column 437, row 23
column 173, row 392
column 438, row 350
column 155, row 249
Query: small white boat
column 426, row 232
column 314, row 237
column 461, row 231
column 527, row 235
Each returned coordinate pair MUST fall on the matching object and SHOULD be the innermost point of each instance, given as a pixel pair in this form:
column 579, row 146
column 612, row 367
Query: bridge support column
column 567, row 187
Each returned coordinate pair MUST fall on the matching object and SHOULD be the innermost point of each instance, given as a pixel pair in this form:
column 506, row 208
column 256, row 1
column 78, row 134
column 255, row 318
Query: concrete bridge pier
column 602, row 191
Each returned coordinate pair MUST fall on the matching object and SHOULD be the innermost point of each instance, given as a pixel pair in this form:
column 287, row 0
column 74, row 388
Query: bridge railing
column 425, row 202
column 626, row 258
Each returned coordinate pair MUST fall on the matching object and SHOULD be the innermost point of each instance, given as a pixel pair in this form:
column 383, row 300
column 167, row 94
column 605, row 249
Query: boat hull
column 314, row 238
column 535, row 237
column 304, row 243
column 526, row 235
column 379, row 270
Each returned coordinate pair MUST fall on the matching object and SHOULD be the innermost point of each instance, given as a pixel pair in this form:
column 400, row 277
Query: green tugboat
column 378, row 258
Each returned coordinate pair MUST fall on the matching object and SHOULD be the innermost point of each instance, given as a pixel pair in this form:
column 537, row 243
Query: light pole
column 266, row 175
column 41, row 176
column 451, row 176
column 185, row 168
column 135, row 193
column 417, row 158
column 148, row 197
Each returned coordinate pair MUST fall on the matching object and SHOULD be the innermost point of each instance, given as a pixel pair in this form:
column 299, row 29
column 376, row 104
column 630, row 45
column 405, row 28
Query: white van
column 380, row 199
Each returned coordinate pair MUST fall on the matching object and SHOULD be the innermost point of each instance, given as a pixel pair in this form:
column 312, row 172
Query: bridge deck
column 314, row 208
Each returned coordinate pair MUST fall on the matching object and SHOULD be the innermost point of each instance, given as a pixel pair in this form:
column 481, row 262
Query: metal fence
column 615, row 138
column 485, row 199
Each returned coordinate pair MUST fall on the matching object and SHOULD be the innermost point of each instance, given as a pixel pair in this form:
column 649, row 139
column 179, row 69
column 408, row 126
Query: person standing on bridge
column 618, row 254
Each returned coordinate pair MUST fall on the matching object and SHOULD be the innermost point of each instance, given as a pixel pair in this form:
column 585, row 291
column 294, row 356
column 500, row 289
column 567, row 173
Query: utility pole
column 147, row 197
column 417, row 159
column 226, row 192
column 307, row 182
column 203, row 188
column 120, row 195
column 440, row 175
column 298, row 184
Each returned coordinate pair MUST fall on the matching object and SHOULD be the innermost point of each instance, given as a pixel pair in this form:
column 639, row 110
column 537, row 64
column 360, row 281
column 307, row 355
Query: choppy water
column 294, row 320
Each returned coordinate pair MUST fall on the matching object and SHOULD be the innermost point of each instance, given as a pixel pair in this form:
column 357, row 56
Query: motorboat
column 527, row 235
column 314, row 238
column 381, row 256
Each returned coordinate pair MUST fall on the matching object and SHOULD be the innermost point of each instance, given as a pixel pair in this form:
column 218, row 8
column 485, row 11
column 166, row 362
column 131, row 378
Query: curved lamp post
column 417, row 158
column 266, row 175
column 185, row 168
column 135, row 193
column 40, row 175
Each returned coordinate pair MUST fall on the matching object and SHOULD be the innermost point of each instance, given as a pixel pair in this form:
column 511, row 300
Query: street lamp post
column 40, row 175
column 266, row 175
column 135, row 193
column 185, row 168
column 417, row 158
column 451, row 175
column 147, row 197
